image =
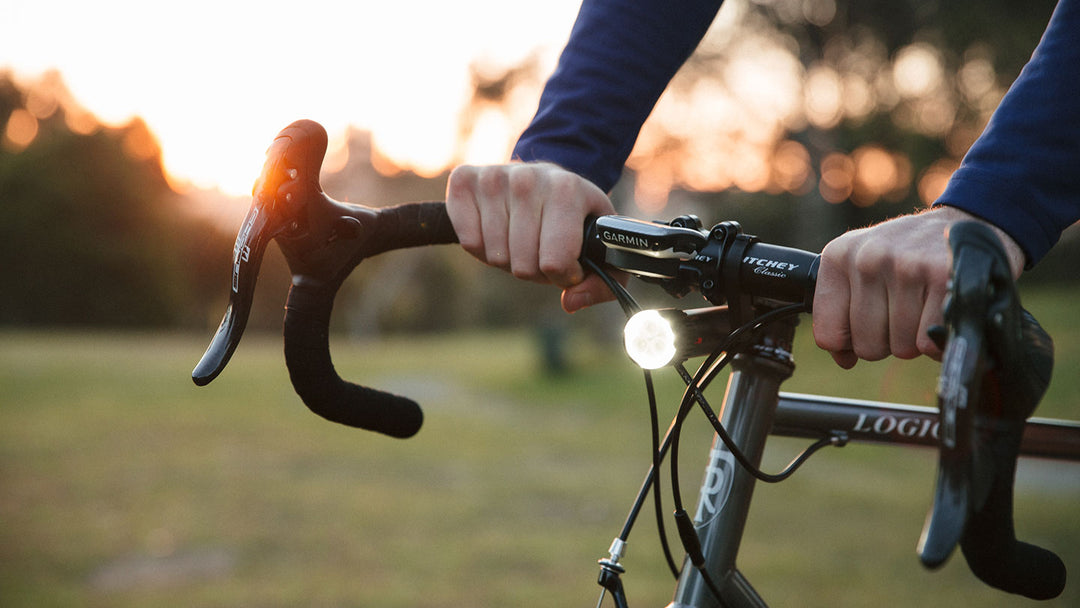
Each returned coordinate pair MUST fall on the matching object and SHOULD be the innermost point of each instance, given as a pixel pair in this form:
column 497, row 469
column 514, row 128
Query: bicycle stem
column 724, row 264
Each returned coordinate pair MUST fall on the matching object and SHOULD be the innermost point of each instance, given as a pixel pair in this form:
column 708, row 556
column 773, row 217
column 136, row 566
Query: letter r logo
column 716, row 487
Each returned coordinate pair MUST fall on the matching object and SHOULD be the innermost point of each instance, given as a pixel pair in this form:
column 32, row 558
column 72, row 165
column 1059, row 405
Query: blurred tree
column 866, row 106
column 91, row 232
column 799, row 118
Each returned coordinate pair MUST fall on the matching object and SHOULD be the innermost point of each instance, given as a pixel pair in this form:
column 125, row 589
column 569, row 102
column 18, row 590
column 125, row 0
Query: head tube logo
column 717, row 485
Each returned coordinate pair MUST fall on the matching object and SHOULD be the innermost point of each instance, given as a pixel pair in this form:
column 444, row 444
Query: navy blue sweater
column 1022, row 174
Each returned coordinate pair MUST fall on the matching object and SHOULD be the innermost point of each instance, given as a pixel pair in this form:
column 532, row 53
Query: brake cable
column 696, row 384
column 710, row 369
column 630, row 307
column 694, row 392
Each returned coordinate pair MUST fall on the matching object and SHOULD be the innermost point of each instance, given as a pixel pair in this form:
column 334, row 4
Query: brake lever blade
column 247, row 257
column 262, row 224
column 996, row 368
column 957, row 390
column 959, row 386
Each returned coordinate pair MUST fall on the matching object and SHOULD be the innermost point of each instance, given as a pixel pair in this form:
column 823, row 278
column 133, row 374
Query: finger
column 845, row 358
column 491, row 189
column 832, row 300
column 592, row 290
column 932, row 314
column 525, row 207
column 571, row 200
column 907, row 299
column 917, row 284
column 869, row 310
column 464, row 212
column 560, row 245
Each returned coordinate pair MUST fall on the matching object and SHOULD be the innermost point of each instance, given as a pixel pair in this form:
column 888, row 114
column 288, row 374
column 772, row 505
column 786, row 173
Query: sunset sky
column 215, row 80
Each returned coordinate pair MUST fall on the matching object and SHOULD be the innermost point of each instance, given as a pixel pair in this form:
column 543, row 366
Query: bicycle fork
column 750, row 403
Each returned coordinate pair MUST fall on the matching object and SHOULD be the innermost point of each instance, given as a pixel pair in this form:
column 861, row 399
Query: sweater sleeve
column 1023, row 173
column 619, row 59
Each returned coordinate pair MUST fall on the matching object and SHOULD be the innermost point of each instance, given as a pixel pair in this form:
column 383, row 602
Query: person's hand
column 880, row 289
column 528, row 219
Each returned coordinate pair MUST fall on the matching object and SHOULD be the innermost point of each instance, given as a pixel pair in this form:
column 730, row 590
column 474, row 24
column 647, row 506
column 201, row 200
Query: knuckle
column 496, row 259
column 560, row 272
column 566, row 188
column 842, row 247
column 552, row 267
column 523, row 181
column 461, row 180
column 909, row 271
column 471, row 244
column 490, row 183
column 872, row 259
column 471, row 241
column 926, row 346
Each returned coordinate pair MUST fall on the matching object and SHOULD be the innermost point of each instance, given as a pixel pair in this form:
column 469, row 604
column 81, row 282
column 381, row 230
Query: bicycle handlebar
column 323, row 240
column 307, row 322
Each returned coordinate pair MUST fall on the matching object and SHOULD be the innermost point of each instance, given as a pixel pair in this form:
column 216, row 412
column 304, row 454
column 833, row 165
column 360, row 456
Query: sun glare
column 216, row 81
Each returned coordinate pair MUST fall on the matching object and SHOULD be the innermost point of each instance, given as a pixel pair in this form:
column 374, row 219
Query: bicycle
column 995, row 369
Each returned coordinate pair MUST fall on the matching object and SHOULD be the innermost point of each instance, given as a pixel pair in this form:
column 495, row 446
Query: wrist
column 1015, row 254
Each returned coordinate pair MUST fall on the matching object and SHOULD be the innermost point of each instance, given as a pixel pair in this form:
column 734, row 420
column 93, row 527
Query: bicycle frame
column 323, row 240
column 748, row 412
column 754, row 408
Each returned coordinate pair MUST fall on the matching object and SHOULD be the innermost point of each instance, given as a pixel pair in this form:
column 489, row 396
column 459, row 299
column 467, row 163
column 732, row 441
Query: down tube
column 724, row 502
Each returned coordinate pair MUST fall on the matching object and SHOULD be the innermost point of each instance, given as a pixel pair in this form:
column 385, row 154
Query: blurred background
column 130, row 135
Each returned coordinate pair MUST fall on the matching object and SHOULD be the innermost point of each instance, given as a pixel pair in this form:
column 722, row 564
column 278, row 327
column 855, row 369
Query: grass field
column 123, row 484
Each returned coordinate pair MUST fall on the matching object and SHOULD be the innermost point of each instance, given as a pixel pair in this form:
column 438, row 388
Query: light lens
column 649, row 339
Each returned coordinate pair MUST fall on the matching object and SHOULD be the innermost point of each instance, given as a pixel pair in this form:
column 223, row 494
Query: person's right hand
column 879, row 289
column 528, row 219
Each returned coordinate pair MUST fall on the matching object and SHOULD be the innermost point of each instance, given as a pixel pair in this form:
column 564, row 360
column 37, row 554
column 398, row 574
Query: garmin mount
column 322, row 240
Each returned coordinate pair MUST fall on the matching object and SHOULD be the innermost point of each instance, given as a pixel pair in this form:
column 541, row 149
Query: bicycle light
column 655, row 338
column 649, row 339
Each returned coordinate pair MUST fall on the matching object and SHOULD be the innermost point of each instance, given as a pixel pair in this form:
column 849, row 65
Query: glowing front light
column 649, row 339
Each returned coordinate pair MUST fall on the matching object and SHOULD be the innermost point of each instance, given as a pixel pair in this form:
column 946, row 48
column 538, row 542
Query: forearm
column 1023, row 173
column 619, row 59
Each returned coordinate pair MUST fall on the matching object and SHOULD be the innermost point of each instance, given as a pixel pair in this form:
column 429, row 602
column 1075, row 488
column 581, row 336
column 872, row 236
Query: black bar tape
column 989, row 543
column 413, row 225
column 307, row 355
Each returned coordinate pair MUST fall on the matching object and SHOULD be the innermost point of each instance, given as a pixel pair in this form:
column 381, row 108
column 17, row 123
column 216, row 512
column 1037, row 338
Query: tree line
column 92, row 233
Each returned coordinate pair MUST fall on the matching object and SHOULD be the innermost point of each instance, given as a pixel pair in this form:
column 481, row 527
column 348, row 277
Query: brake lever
column 995, row 370
column 959, row 390
column 265, row 221
column 322, row 240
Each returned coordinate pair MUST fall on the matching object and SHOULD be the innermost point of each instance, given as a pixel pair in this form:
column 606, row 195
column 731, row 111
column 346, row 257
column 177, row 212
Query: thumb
column 591, row 291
